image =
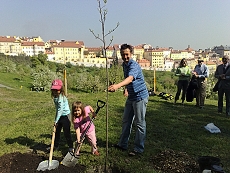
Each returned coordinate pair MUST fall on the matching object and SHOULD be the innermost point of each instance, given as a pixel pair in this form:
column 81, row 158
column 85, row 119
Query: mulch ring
column 28, row 163
column 174, row 162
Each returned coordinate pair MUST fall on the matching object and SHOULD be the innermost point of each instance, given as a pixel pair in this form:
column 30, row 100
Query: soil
column 28, row 163
column 167, row 161
column 175, row 162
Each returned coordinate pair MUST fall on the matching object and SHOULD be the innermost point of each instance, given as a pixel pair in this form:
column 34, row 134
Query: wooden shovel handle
column 52, row 145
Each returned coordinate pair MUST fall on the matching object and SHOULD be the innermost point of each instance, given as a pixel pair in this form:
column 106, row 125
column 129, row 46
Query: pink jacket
column 82, row 124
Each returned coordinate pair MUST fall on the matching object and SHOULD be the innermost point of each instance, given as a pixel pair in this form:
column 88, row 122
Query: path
column 4, row 86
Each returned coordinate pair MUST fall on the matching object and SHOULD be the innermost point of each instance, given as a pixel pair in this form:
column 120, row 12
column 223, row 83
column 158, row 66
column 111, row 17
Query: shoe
column 71, row 150
column 96, row 153
column 119, row 147
column 201, row 107
column 55, row 148
column 77, row 156
column 134, row 153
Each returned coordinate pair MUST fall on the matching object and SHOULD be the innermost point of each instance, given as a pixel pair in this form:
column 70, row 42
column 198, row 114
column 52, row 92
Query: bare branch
column 112, row 29
column 96, row 36
column 111, row 40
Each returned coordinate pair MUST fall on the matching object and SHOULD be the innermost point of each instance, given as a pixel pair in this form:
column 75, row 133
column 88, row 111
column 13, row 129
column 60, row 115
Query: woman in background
column 183, row 72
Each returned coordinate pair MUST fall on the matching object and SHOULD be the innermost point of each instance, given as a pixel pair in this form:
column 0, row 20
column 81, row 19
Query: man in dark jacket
column 223, row 74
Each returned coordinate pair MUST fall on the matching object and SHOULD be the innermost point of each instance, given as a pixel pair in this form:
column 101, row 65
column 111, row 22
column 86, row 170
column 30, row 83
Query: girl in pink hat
column 62, row 113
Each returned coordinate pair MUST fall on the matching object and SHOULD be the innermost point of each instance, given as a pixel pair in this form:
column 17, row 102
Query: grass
column 27, row 117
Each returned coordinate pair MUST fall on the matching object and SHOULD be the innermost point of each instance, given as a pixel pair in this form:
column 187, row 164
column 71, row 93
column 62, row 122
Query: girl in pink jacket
column 81, row 120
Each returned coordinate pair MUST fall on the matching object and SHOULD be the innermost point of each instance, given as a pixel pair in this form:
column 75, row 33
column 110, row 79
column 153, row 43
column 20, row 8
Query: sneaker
column 135, row 153
column 71, row 150
column 55, row 148
column 119, row 147
column 96, row 153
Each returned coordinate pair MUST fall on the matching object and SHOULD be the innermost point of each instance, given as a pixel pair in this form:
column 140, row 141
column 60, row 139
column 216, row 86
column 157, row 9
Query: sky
column 164, row 23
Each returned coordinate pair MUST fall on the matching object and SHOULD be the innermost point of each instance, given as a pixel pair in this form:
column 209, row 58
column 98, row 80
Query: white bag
column 212, row 128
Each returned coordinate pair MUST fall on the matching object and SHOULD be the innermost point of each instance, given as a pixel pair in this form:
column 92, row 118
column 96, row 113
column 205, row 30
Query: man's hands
column 113, row 88
column 222, row 76
column 125, row 92
column 195, row 74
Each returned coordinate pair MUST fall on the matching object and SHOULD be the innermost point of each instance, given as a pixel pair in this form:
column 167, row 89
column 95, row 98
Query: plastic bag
column 212, row 128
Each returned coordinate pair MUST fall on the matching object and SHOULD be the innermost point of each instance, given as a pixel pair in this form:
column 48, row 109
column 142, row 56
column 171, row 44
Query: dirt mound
column 170, row 161
column 167, row 161
column 28, row 162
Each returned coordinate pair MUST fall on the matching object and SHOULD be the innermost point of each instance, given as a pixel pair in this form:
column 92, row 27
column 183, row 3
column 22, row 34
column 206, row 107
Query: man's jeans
column 134, row 111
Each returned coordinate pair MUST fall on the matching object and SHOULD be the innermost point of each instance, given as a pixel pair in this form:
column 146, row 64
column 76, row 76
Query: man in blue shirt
column 201, row 72
column 136, row 103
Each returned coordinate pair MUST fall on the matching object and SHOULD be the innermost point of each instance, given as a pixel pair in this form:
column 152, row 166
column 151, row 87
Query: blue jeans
column 134, row 112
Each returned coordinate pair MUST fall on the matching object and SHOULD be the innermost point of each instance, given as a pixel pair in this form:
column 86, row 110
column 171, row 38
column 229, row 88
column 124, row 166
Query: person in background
column 223, row 74
column 183, row 72
column 136, row 103
column 62, row 113
column 81, row 120
column 201, row 72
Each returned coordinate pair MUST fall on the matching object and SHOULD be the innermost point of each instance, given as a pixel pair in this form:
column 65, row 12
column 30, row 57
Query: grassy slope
column 27, row 117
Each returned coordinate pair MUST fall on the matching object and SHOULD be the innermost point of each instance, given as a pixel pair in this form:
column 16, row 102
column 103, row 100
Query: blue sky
column 164, row 23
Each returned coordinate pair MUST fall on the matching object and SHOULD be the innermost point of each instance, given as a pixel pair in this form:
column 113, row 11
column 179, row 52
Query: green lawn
column 27, row 117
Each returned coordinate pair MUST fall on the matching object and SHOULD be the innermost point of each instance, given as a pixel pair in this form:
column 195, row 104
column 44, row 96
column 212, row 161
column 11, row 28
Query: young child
column 81, row 119
column 62, row 112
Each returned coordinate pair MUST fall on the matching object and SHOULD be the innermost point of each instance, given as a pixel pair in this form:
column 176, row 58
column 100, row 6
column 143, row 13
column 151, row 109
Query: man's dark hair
column 225, row 57
column 127, row 46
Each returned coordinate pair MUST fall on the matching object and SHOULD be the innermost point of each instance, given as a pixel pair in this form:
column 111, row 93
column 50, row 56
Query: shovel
column 71, row 159
column 49, row 164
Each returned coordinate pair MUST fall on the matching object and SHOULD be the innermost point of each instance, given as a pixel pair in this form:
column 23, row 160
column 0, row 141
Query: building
column 222, row 50
column 67, row 51
column 138, row 52
column 10, row 46
column 144, row 63
column 33, row 48
column 156, row 58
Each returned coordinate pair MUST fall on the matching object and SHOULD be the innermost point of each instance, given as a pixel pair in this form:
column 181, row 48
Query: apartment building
column 10, row 46
column 144, row 63
column 156, row 57
column 66, row 51
column 180, row 54
column 32, row 48
column 211, row 66
column 92, row 52
column 168, row 66
column 138, row 52
column 222, row 50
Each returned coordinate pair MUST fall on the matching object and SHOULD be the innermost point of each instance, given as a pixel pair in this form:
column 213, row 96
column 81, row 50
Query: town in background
column 76, row 53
